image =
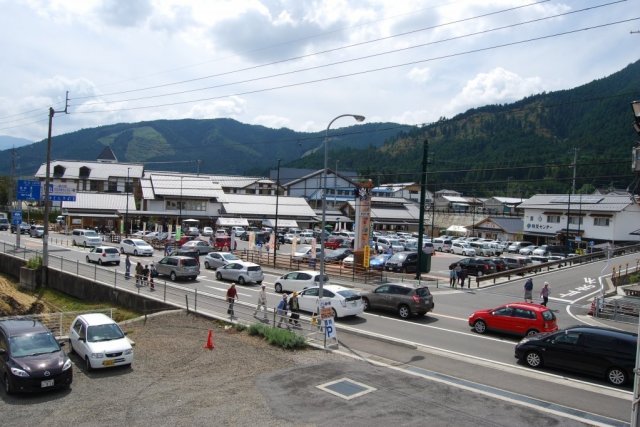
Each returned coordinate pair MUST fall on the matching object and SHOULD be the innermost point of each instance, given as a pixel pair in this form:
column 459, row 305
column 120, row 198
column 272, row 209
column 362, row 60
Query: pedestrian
column 294, row 306
column 152, row 273
column 377, row 249
column 458, row 271
column 127, row 267
column 462, row 276
column 139, row 269
column 145, row 275
column 528, row 290
column 544, row 294
column 452, row 277
column 282, row 309
column 262, row 302
column 232, row 296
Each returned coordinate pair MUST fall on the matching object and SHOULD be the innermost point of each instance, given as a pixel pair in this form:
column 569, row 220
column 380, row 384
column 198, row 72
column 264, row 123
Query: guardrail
column 60, row 323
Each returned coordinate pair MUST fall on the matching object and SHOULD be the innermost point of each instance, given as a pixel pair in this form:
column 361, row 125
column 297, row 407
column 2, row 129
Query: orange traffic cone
column 209, row 343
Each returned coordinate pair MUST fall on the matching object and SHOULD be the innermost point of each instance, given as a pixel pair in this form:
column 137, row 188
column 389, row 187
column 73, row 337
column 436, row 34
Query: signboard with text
column 28, row 190
column 62, row 193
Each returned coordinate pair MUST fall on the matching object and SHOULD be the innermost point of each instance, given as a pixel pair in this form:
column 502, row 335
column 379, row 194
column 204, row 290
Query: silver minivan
column 81, row 237
column 178, row 266
column 442, row 245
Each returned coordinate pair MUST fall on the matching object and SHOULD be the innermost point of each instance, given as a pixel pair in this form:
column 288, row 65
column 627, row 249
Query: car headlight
column 19, row 372
column 97, row 355
column 128, row 351
column 67, row 364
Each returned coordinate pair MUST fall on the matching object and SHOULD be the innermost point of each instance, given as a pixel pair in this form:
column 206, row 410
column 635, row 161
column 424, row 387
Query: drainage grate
column 346, row 388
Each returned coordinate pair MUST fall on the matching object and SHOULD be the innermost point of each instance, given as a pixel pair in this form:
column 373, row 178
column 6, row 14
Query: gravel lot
column 174, row 381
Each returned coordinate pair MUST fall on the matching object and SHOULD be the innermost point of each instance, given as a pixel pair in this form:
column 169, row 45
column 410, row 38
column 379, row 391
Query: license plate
column 46, row 383
column 107, row 363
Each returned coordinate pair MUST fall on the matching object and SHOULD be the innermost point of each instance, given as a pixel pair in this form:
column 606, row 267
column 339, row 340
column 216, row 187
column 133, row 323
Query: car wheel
column 172, row 276
column 8, row 387
column 241, row 281
column 533, row 359
column 88, row 260
column 616, row 376
column 99, row 261
column 404, row 312
column 135, row 252
column 334, row 312
column 278, row 288
column 531, row 332
column 365, row 303
column 87, row 364
column 218, row 275
column 206, row 265
column 480, row 327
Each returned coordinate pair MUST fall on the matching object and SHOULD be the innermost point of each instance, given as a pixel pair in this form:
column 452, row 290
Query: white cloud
column 419, row 75
column 271, row 121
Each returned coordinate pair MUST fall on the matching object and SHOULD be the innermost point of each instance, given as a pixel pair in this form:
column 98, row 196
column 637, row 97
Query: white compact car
column 99, row 342
column 104, row 255
column 344, row 301
column 298, row 280
column 135, row 247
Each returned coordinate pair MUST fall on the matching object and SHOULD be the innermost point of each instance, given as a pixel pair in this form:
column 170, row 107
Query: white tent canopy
column 457, row 229
column 232, row 222
column 287, row 223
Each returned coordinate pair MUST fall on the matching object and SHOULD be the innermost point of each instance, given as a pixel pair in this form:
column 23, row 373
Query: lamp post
column 358, row 118
column 275, row 226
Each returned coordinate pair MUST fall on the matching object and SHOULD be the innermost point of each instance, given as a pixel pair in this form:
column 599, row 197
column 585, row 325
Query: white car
column 99, row 341
column 462, row 248
column 104, row 255
column 527, row 250
column 298, row 281
column 344, row 301
column 242, row 272
column 218, row 259
column 207, row 231
column 304, row 252
column 348, row 261
column 135, row 247
column 289, row 238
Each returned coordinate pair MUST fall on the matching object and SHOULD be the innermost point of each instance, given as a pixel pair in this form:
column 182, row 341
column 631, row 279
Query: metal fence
column 60, row 323
column 624, row 310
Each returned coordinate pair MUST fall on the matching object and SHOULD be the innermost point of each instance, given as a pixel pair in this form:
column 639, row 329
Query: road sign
column 326, row 312
column 28, row 190
column 62, row 193
column 329, row 327
column 16, row 217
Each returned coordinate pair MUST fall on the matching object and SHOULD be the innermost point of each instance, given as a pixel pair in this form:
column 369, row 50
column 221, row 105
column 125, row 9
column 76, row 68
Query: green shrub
column 278, row 337
column 34, row 262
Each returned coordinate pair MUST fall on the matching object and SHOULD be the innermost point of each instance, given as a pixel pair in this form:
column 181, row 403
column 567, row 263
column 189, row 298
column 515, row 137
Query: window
column 113, row 185
column 94, row 185
column 575, row 220
column 601, row 222
column 553, row 219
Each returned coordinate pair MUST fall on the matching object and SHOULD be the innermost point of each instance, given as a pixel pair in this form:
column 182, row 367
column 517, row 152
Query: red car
column 334, row 242
column 518, row 318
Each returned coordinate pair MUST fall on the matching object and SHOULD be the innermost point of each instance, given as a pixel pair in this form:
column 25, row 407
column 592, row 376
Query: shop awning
column 288, row 223
column 91, row 215
column 232, row 222
column 457, row 229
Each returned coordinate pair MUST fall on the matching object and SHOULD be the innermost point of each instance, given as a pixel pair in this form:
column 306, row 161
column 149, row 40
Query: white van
column 442, row 245
column 306, row 237
column 81, row 237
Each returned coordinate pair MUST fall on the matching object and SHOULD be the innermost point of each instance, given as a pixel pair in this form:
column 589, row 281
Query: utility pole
column 423, row 188
column 45, row 236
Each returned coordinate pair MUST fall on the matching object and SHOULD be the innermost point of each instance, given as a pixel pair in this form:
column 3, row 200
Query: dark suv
column 406, row 299
column 601, row 352
column 404, row 262
column 4, row 224
column 475, row 266
column 30, row 357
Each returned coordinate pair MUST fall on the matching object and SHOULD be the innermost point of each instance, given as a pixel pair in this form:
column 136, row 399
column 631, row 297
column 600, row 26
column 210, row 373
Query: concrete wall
column 86, row 289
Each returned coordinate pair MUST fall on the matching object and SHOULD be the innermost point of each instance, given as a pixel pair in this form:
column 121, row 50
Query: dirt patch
column 15, row 303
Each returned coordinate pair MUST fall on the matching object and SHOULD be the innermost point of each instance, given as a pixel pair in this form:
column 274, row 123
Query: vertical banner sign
column 367, row 256
column 363, row 214
column 326, row 317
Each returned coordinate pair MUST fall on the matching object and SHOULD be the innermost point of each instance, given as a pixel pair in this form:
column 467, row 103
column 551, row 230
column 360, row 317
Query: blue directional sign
column 28, row 190
column 16, row 217
column 61, row 198
column 62, row 193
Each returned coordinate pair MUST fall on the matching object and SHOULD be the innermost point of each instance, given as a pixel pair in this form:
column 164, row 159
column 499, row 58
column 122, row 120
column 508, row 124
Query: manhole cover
column 346, row 388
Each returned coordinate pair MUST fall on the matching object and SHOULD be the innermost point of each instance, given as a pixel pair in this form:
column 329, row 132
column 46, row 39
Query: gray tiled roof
column 98, row 170
column 163, row 185
column 586, row 202
column 249, row 204
column 101, row 201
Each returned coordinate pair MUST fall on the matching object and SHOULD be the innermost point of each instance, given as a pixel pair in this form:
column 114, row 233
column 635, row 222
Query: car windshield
column 33, row 344
column 106, row 332
column 90, row 233
column 253, row 268
column 230, row 257
column 111, row 250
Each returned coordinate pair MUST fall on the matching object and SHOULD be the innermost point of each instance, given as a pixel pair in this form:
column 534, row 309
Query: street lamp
column 324, row 196
column 275, row 226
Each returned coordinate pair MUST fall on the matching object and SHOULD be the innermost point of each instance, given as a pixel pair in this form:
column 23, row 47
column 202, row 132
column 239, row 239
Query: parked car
column 337, row 255
column 541, row 250
column 384, row 243
column 23, row 226
column 306, row 237
column 177, row 266
column 519, row 318
column 344, row 301
column 475, row 266
column 218, row 259
column 4, row 224
column 527, row 250
column 334, row 242
column 462, row 248
column 298, row 281
column 242, row 272
column 196, row 245
column 516, row 246
column 378, row 261
column 135, row 247
column 289, row 238
column 36, row 231
column 442, row 244
column 500, row 264
column 304, row 253
column 514, row 262
column 406, row 299
column 606, row 353
column 82, row 237
column 104, row 255
column 99, row 342
column 238, row 231
column 207, row 231
column 348, row 261
column 404, row 262
column 192, row 231
column 30, row 357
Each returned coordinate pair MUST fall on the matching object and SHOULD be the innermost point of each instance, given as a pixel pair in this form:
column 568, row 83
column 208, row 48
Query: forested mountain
column 221, row 146
column 520, row 148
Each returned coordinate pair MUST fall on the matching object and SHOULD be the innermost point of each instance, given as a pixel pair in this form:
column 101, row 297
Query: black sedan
column 337, row 255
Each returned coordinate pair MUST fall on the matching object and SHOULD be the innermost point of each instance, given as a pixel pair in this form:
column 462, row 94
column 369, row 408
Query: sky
column 296, row 63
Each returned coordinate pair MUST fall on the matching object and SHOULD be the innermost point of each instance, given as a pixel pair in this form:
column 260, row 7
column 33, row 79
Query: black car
column 337, row 255
column 406, row 299
column 4, row 224
column 601, row 352
column 475, row 266
column 24, row 228
column 405, row 262
column 30, row 358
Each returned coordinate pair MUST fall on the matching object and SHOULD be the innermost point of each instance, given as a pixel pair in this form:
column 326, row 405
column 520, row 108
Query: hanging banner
column 363, row 215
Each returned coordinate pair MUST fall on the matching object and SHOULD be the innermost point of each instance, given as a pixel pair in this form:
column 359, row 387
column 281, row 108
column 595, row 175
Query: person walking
column 262, row 302
column 544, row 293
column 282, row 309
column 458, row 272
column 139, row 269
column 528, row 290
column 145, row 275
column 232, row 296
column 452, row 278
column 127, row 267
column 152, row 273
column 294, row 306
